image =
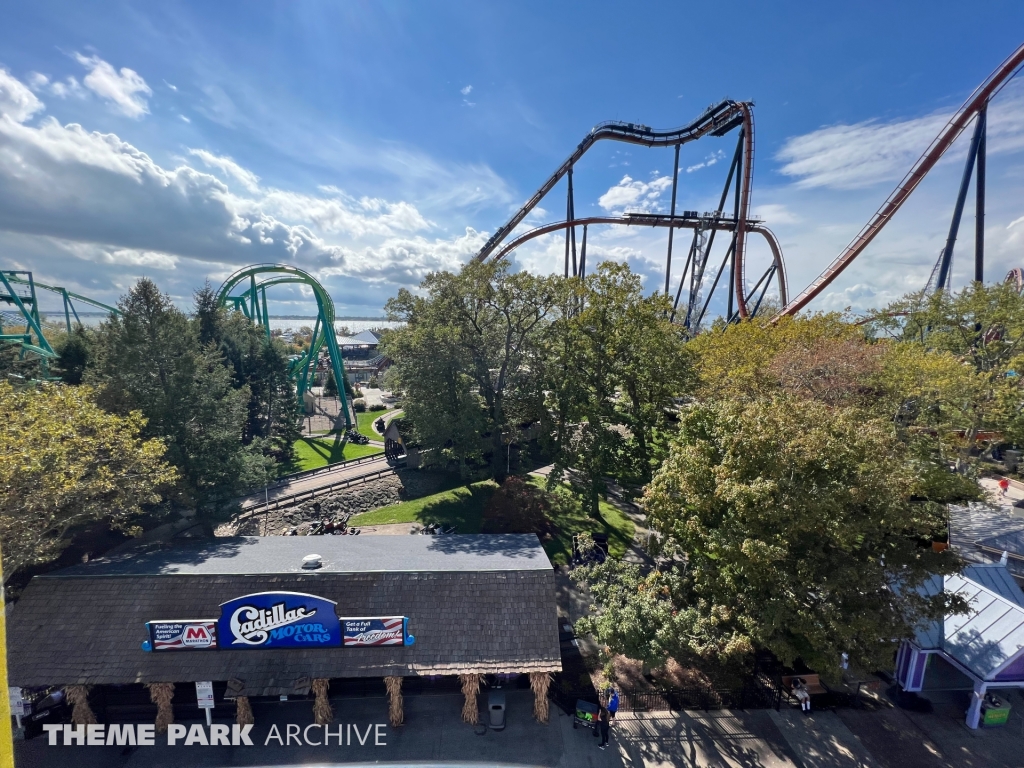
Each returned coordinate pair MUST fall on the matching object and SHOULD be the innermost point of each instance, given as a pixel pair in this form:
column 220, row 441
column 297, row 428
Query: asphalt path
column 326, row 477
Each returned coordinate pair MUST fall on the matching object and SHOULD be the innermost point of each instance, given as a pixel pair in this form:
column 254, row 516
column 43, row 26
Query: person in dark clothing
column 603, row 724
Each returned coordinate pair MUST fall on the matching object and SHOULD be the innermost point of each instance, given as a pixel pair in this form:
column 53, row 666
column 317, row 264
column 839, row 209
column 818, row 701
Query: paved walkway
column 434, row 733
column 1014, row 494
column 328, row 476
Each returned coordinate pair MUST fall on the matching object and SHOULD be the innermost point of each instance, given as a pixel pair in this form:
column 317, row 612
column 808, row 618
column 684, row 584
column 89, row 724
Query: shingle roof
column 340, row 554
column 85, row 624
column 981, row 532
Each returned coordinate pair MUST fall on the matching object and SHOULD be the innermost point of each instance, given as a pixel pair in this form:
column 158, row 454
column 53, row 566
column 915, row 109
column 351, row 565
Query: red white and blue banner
column 278, row 620
column 390, row 630
column 182, row 635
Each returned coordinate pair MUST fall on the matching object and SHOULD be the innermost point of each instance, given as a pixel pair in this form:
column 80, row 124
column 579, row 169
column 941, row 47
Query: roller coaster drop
column 252, row 302
column 717, row 121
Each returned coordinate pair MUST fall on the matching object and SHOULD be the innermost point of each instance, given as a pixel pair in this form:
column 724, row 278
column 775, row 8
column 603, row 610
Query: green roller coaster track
column 32, row 339
column 252, row 302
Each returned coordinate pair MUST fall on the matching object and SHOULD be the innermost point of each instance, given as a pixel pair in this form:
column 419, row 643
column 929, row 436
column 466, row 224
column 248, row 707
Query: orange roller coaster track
column 972, row 108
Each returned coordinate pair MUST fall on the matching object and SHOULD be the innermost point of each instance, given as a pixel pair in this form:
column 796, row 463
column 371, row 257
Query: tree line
column 795, row 473
column 153, row 409
column 484, row 352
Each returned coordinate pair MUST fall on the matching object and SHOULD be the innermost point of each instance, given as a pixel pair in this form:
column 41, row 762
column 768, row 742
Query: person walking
column 1004, row 486
column 604, row 725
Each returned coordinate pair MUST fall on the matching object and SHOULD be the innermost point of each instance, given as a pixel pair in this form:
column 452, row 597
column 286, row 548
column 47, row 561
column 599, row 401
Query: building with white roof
column 980, row 650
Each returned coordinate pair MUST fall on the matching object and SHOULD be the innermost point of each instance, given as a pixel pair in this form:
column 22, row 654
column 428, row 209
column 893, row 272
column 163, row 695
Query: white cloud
column 17, row 102
column 341, row 214
column 172, row 87
column 633, row 195
column 248, row 179
column 467, row 90
column 775, row 213
column 91, row 210
column 869, row 152
column 68, row 87
column 185, row 118
column 37, row 81
column 126, row 90
column 708, row 161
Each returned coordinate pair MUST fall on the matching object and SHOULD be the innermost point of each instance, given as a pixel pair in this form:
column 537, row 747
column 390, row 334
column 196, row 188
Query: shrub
column 378, row 407
column 359, row 405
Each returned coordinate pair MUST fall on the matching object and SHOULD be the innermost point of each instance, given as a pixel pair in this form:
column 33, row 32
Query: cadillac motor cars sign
column 277, row 620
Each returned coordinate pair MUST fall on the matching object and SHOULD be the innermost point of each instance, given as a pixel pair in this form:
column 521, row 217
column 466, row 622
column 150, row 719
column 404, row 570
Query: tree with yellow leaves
column 66, row 463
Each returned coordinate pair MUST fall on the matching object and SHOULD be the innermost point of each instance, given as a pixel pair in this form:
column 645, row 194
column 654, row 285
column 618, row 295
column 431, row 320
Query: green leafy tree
column 488, row 325
column 74, row 353
column 330, row 386
column 150, row 359
column 258, row 363
column 614, row 363
column 66, row 463
column 801, row 533
column 960, row 361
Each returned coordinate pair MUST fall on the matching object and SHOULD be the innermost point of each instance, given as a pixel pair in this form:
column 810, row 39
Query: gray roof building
column 990, row 637
column 475, row 603
column 982, row 532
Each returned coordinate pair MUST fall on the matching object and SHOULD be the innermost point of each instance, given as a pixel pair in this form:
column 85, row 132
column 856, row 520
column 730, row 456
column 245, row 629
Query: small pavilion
column 979, row 651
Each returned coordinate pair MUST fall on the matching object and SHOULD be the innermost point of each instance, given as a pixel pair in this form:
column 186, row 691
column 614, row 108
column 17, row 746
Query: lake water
column 276, row 323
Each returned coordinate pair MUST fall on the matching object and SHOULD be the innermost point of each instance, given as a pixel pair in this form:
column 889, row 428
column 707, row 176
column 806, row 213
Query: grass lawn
column 366, row 423
column 463, row 507
column 312, row 453
column 613, row 522
column 460, row 506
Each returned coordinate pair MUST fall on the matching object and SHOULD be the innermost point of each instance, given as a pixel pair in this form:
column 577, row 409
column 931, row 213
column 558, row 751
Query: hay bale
column 243, row 712
column 396, row 711
column 322, row 712
column 161, row 695
column 470, row 689
column 539, row 684
column 78, row 697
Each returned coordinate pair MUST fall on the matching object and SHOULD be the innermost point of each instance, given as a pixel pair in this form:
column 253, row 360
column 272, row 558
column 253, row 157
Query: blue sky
column 373, row 142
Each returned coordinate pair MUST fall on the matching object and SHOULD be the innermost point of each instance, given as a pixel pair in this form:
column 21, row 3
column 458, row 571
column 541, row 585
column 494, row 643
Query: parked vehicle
column 356, row 437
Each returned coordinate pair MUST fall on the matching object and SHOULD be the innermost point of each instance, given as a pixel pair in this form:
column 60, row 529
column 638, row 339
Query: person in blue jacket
column 613, row 702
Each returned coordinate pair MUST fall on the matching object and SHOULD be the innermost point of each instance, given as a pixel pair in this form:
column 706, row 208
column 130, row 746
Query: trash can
column 496, row 710
column 994, row 712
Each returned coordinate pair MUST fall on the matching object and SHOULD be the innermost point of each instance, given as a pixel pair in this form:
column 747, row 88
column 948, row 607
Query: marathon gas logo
column 277, row 620
column 182, row 635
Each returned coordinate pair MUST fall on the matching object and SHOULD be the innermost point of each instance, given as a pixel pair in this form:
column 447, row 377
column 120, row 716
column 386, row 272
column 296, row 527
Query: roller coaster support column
column 583, row 254
column 570, row 234
column 958, row 210
column 258, row 312
column 671, row 230
column 979, row 202
column 314, row 350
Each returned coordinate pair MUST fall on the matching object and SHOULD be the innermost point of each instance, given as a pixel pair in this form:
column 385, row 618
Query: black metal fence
column 757, row 692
